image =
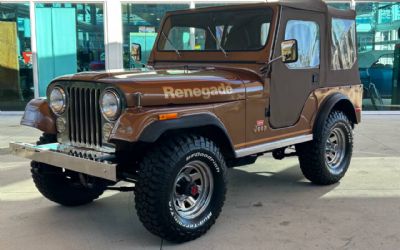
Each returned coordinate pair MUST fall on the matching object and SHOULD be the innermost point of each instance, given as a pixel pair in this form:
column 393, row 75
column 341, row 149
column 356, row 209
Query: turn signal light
column 170, row 116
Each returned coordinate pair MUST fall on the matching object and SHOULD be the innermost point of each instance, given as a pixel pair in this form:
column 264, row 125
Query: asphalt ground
column 269, row 205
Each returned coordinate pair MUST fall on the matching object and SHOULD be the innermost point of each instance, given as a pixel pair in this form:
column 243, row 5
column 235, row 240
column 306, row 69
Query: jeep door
column 293, row 83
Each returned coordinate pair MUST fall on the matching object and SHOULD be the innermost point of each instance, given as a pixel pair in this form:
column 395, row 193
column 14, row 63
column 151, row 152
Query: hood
column 174, row 86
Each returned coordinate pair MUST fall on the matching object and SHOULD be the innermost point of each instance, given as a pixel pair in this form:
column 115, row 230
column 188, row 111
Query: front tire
column 181, row 188
column 66, row 188
column 326, row 159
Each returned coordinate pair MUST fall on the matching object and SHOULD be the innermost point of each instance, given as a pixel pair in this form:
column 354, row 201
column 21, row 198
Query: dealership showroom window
column 69, row 37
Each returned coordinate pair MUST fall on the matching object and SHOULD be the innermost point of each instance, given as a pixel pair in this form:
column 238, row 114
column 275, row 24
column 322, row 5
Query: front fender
column 156, row 129
column 145, row 126
column 38, row 115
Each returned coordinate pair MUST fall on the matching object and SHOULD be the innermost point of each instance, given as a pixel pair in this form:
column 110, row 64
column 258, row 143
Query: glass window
column 308, row 41
column 69, row 38
column 379, row 54
column 341, row 6
column 244, row 30
column 205, row 5
column 186, row 38
column 141, row 23
column 16, row 76
column 343, row 47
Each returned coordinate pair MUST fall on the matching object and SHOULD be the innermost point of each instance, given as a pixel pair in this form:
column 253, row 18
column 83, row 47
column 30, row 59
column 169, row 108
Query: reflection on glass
column 140, row 25
column 16, row 79
column 341, row 6
column 70, row 39
column 204, row 5
column 344, row 53
column 379, row 52
column 306, row 33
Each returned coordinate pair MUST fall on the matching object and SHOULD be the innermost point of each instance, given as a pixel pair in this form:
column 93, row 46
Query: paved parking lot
column 269, row 205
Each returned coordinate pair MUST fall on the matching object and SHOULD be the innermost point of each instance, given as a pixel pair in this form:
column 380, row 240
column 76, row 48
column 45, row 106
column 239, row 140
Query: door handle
column 315, row 78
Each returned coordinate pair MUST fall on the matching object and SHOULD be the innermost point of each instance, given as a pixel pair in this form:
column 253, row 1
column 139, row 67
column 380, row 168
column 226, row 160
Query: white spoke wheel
column 193, row 188
column 325, row 160
column 181, row 188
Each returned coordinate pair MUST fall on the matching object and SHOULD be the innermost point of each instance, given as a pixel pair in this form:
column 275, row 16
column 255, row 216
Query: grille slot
column 84, row 118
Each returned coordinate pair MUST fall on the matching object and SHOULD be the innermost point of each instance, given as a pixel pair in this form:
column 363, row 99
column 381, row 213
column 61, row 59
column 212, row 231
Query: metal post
column 113, row 35
column 34, row 48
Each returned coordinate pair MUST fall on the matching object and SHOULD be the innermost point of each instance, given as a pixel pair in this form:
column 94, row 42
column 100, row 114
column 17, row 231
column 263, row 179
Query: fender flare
column 38, row 115
column 335, row 100
column 156, row 129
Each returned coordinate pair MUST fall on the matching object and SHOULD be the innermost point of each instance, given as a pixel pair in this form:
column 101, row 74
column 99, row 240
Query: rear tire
column 181, row 188
column 67, row 188
column 326, row 159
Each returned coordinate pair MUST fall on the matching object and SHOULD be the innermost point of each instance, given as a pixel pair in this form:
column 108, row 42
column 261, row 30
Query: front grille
column 84, row 117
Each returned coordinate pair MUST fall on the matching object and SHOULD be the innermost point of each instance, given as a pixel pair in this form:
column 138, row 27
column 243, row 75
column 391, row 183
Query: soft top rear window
column 227, row 30
column 343, row 49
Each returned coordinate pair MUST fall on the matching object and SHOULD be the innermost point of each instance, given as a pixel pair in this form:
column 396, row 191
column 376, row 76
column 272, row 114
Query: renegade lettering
column 206, row 93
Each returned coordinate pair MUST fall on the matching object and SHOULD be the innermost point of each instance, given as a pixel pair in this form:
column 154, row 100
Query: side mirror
column 289, row 51
column 136, row 52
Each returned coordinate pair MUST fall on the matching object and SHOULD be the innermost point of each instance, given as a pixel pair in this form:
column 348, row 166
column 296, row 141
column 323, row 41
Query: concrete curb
column 4, row 151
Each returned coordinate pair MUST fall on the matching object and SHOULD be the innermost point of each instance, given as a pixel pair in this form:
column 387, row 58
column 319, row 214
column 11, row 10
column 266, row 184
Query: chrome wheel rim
column 335, row 150
column 192, row 191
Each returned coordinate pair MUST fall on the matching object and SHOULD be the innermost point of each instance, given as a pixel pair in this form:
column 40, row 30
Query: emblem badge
column 260, row 127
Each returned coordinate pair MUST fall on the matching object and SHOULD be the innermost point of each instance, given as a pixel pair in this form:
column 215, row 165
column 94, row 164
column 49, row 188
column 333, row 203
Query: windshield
column 228, row 30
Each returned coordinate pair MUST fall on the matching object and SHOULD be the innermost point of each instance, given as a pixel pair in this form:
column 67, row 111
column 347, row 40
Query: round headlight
column 57, row 100
column 110, row 105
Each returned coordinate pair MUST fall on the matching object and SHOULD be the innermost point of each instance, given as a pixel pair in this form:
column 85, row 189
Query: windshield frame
column 207, row 10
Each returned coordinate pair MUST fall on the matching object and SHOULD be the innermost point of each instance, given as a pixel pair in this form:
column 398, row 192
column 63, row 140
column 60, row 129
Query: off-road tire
column 312, row 155
column 155, row 188
column 64, row 187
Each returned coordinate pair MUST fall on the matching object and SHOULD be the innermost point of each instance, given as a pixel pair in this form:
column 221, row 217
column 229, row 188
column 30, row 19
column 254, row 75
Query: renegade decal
column 206, row 93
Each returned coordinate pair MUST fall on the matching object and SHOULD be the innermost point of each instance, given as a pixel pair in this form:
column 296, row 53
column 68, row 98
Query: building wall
column 99, row 33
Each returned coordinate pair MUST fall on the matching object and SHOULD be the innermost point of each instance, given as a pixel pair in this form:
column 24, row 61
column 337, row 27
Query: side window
column 343, row 47
column 307, row 35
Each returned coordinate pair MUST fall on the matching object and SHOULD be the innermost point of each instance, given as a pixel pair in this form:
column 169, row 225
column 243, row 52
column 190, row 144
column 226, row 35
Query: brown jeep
column 223, row 86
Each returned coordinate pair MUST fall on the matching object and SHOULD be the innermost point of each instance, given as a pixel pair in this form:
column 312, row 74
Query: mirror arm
column 267, row 68
column 275, row 59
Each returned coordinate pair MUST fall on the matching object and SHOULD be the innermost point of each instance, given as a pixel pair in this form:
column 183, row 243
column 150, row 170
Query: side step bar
column 270, row 146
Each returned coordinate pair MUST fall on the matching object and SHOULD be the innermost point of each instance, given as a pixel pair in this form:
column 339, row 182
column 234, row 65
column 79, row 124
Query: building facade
column 40, row 40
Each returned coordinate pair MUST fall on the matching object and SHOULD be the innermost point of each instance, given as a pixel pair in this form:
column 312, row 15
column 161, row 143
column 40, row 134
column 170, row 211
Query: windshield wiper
column 218, row 42
column 172, row 45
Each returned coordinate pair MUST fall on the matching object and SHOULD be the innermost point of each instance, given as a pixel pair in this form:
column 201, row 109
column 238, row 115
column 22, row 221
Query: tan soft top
column 314, row 5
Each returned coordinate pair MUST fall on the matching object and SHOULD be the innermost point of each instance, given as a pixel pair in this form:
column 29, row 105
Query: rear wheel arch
column 336, row 102
column 348, row 109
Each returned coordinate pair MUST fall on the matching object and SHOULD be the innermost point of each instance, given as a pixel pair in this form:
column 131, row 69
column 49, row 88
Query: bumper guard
column 47, row 154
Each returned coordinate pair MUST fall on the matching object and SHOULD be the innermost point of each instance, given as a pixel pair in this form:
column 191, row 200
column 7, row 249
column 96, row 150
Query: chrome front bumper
column 47, row 154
